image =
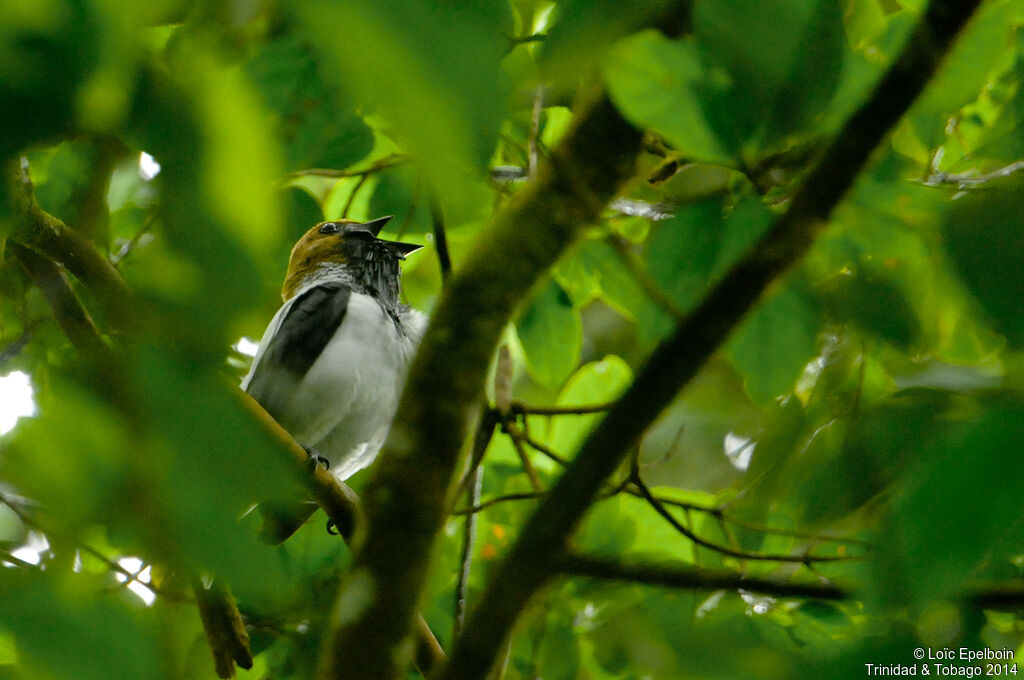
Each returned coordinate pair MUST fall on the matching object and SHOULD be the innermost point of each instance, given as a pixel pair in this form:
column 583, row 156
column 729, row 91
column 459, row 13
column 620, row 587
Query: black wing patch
column 304, row 333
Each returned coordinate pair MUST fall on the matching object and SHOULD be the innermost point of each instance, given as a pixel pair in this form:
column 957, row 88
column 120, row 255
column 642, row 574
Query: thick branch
column 531, row 561
column 690, row 578
column 225, row 630
column 341, row 505
column 66, row 307
column 37, row 229
column 405, row 502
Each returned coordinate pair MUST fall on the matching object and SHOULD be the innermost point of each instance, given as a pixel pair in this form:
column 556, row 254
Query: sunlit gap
column 17, row 399
column 148, row 167
column 246, row 346
column 143, row 574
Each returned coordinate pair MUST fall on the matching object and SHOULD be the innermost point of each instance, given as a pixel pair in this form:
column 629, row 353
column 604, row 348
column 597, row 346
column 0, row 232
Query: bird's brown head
column 343, row 243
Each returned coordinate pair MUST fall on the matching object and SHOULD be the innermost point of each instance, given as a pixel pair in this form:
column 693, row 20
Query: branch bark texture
column 533, row 558
column 405, row 502
column 690, row 578
column 37, row 229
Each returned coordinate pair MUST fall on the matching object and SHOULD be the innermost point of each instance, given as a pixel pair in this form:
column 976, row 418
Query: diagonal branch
column 406, row 500
column 531, row 561
column 35, row 228
column 341, row 505
column 67, row 309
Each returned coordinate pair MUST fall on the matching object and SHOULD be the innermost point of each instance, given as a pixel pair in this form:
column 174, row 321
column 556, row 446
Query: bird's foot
column 315, row 459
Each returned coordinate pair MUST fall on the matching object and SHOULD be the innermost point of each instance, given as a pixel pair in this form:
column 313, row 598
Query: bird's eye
column 330, row 228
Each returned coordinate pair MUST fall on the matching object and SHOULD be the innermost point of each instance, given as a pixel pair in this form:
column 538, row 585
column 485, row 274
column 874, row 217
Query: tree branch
column 405, row 501
column 37, row 229
column 225, row 630
column 341, row 505
column 66, row 307
column 530, row 562
column 690, row 578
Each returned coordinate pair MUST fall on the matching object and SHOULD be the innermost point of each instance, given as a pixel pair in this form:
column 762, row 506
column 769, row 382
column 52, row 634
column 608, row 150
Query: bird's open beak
column 375, row 227
column 402, row 249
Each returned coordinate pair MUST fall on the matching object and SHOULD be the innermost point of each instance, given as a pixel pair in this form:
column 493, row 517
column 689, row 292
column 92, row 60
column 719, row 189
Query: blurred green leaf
column 873, row 304
column 46, row 52
column 8, row 652
column 775, row 342
column 317, row 129
column 967, row 472
column 985, row 242
column 594, row 269
column 551, row 334
column 432, row 68
column 658, row 83
column 559, row 653
column 686, row 254
column 400, row 192
column 66, row 628
column 986, row 43
column 585, row 29
column 782, row 61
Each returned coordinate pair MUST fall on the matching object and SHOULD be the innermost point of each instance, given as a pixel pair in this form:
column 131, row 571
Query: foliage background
column 869, row 407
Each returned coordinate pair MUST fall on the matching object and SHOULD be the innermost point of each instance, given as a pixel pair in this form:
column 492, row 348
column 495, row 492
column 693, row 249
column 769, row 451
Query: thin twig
column 517, row 438
column 517, row 40
column 466, row 557
column 14, row 348
column 40, row 231
column 112, row 565
column 352, row 196
column 444, row 258
column 132, row 243
column 378, row 165
column 970, row 179
column 67, row 309
column 807, row 558
column 540, row 448
column 519, row 407
column 524, row 496
column 538, row 109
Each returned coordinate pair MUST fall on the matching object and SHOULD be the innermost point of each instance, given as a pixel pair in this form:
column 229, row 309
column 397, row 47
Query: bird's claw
column 315, row 459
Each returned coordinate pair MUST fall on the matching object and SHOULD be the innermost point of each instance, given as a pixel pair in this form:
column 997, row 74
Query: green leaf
column 559, row 654
column 8, row 651
column 873, row 304
column 783, row 60
column 317, row 129
column 46, row 54
column 772, row 346
column 400, row 192
column 551, row 334
column 984, row 239
column 431, row 69
column 71, row 630
column 688, row 253
column 585, row 28
column 598, row 382
column 657, row 83
column 968, row 473
column 985, row 45
column 594, row 269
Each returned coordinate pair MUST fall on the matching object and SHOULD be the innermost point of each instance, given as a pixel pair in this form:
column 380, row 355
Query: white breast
column 344, row 405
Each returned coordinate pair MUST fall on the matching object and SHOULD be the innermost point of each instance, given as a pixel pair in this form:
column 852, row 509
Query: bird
column 332, row 362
